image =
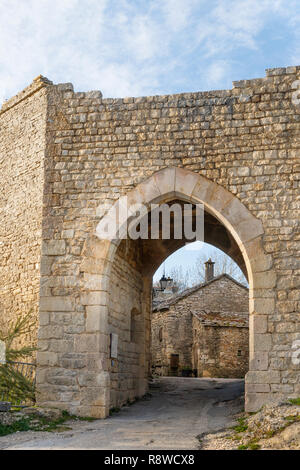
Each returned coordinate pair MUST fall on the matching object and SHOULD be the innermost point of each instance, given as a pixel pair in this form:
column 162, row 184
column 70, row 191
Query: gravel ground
column 275, row 427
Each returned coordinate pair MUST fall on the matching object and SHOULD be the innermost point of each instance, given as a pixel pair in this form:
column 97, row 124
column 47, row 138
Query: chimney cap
column 209, row 270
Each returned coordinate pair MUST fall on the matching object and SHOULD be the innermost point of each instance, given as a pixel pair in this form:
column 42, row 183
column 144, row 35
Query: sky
column 136, row 48
column 188, row 256
column 139, row 47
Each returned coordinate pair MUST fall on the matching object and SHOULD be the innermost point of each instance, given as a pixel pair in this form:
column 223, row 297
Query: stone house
column 204, row 329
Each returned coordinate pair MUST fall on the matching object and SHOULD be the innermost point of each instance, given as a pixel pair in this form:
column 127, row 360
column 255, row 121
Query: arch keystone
column 165, row 180
column 185, row 181
column 148, row 190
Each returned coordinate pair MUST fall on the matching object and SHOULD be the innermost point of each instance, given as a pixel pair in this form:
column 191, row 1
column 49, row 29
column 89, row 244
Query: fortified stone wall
column 246, row 140
column 22, row 152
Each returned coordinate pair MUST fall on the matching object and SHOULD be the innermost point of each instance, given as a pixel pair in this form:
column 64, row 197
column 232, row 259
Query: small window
column 239, row 353
column 160, row 335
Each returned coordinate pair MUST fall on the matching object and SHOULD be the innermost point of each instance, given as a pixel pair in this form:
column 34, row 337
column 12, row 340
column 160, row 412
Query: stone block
column 149, row 191
column 57, row 304
column 53, row 247
column 262, row 342
column 96, row 282
column 46, row 264
column 44, row 318
column 257, row 388
column 259, row 360
column 264, row 280
column 86, row 343
column 260, row 261
column 96, row 319
column 258, row 324
column 185, row 182
column 262, row 306
column 263, row 377
column 92, row 298
column 47, row 359
column 165, row 180
column 50, row 332
column 254, row 401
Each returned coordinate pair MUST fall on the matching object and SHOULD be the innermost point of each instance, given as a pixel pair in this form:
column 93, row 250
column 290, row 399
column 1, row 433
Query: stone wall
column 244, row 142
column 206, row 326
column 22, row 153
column 220, row 351
column 126, row 318
column 171, row 333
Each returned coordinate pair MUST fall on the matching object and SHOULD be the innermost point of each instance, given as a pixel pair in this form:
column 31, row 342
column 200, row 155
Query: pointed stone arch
column 247, row 230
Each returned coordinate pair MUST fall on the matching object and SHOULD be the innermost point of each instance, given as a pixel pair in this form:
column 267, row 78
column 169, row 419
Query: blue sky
column 189, row 256
column 133, row 48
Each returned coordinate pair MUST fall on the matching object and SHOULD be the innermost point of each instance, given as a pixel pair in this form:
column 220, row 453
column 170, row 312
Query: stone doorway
column 120, row 275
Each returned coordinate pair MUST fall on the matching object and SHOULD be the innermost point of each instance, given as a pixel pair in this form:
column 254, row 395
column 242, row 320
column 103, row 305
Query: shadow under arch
column 179, row 184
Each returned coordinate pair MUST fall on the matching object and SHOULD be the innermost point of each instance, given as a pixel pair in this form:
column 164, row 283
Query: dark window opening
column 160, row 334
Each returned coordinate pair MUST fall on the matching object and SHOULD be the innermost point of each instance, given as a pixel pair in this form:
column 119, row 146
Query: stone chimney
column 209, row 270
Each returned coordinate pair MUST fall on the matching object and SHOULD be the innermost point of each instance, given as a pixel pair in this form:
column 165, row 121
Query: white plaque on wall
column 2, row 352
column 113, row 346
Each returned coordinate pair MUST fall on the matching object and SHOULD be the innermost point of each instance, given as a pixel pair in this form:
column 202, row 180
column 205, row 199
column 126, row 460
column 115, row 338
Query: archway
column 120, row 285
column 200, row 313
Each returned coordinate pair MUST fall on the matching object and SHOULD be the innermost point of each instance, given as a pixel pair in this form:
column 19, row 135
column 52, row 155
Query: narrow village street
column 175, row 412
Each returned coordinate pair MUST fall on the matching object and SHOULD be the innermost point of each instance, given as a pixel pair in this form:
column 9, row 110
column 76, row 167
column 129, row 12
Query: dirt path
column 178, row 410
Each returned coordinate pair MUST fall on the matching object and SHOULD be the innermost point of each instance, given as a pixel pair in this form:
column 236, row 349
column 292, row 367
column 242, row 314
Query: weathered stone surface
column 2, row 352
column 63, row 155
column 53, row 247
column 207, row 327
column 263, row 377
column 56, row 304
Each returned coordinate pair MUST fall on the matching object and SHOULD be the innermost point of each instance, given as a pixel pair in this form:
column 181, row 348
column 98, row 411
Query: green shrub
column 14, row 385
column 295, row 401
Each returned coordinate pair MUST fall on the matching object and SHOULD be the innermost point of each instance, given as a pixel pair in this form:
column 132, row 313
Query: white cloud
column 216, row 73
column 133, row 48
column 178, row 12
column 195, row 246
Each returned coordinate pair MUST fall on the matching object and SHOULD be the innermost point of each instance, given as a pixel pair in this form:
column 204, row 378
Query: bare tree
column 181, row 277
column 223, row 264
column 185, row 277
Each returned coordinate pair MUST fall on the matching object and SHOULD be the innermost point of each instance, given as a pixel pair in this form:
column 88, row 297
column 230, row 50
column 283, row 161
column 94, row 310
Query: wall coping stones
column 41, row 82
column 37, row 84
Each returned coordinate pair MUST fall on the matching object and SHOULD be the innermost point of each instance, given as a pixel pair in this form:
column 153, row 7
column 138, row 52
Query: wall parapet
column 38, row 83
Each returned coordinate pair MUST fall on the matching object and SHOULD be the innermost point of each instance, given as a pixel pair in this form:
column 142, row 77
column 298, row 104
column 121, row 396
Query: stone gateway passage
column 66, row 158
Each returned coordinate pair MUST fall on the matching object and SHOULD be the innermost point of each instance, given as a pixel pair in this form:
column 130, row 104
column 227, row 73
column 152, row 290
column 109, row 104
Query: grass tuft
column 41, row 423
column 295, row 401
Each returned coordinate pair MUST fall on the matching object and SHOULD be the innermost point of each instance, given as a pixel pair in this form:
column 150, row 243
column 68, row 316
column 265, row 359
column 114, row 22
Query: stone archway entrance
column 86, row 149
column 117, row 280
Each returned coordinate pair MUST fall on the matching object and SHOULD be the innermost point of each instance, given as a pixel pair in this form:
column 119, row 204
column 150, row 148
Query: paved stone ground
column 178, row 410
